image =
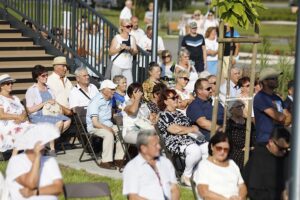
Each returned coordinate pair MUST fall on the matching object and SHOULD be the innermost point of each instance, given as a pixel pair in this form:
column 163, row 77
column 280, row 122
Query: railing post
column 38, row 12
column 50, row 21
column 73, row 29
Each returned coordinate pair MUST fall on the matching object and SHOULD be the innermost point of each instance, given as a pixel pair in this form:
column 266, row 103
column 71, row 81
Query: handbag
column 144, row 124
column 52, row 109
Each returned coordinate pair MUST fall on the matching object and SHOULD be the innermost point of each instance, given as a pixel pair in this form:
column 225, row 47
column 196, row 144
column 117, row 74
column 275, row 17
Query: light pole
column 154, row 32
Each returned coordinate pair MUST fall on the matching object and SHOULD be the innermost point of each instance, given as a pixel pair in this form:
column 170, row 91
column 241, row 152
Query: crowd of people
column 176, row 111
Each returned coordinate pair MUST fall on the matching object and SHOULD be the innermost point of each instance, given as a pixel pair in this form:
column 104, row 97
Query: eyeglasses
column 128, row 26
column 174, row 97
column 213, row 83
column 208, row 89
column 219, row 149
column 185, row 78
column 248, row 85
column 280, row 148
column 166, row 56
column 8, row 83
column 44, row 75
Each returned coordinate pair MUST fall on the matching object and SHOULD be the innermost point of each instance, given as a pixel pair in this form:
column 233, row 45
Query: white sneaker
column 185, row 180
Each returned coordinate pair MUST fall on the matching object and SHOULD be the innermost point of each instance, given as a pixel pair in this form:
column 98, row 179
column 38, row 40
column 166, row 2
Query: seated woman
column 13, row 117
column 236, row 131
column 218, row 177
column 185, row 97
column 130, row 113
column 32, row 176
column 167, row 66
column 118, row 99
column 175, row 128
column 37, row 96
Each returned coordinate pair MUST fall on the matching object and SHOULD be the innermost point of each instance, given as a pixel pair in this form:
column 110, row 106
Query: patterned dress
column 9, row 128
column 176, row 143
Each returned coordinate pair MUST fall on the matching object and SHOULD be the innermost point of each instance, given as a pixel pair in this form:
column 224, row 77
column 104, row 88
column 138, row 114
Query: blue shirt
column 265, row 124
column 117, row 102
column 200, row 108
column 101, row 108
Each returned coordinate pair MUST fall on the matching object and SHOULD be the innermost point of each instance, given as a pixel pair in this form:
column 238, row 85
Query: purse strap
column 83, row 93
column 120, row 52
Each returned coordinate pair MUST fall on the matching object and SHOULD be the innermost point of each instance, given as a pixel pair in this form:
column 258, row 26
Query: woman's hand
column 38, row 147
column 137, row 95
column 195, row 129
column 21, row 118
column 26, row 192
column 51, row 101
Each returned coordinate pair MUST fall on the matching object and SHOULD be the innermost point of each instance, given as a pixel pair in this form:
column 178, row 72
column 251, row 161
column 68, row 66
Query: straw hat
column 60, row 60
column 5, row 78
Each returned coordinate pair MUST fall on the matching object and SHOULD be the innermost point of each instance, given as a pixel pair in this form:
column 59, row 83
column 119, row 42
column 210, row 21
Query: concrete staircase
column 18, row 55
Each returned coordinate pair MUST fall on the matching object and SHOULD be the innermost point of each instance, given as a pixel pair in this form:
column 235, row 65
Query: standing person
column 148, row 19
column 218, row 177
column 269, row 110
column 200, row 110
column 199, row 19
column 167, row 65
column 210, row 21
column 122, row 49
column 212, row 47
column 266, row 172
column 288, row 102
column 244, row 85
column 118, row 99
column 59, row 84
column 37, row 96
column 150, row 175
column 195, row 44
column 136, row 32
column 126, row 11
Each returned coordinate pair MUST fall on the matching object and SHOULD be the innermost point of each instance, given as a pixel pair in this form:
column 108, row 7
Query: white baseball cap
column 108, row 84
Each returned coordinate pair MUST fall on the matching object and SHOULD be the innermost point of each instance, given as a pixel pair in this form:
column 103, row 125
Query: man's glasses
column 174, row 97
column 44, row 75
column 185, row 78
column 208, row 89
column 219, row 149
column 128, row 26
column 280, row 148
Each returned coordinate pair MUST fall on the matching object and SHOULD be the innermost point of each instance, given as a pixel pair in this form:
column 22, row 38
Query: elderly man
column 126, row 11
column 149, row 175
column 136, row 32
column 83, row 92
column 266, row 172
column 59, row 84
column 98, row 119
column 234, row 90
column 269, row 110
column 200, row 110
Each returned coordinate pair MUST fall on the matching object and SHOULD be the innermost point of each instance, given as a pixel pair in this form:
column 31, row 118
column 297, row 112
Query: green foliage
column 265, row 50
column 287, row 68
column 177, row 4
column 238, row 12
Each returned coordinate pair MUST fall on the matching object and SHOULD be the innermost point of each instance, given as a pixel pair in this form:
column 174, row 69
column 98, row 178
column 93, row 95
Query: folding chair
column 118, row 120
column 86, row 190
column 194, row 187
column 85, row 137
column 177, row 161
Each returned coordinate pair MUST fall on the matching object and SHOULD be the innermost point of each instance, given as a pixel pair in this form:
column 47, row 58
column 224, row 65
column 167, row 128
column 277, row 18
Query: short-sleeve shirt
column 78, row 99
column 227, row 45
column 20, row 164
column 125, row 13
column 264, row 123
column 101, row 108
column 118, row 102
column 140, row 178
column 200, row 108
column 221, row 180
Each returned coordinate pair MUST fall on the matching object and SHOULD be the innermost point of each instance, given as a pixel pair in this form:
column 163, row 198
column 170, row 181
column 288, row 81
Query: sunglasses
column 280, row 148
column 128, row 26
column 213, row 83
column 44, row 75
column 248, row 85
column 219, row 149
column 185, row 78
column 8, row 83
column 166, row 56
column 208, row 89
column 174, row 97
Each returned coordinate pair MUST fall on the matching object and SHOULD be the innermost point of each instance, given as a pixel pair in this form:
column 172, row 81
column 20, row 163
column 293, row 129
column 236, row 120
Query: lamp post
column 154, row 32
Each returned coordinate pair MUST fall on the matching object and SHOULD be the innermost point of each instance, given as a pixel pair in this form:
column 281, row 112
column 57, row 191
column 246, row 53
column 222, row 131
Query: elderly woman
column 186, row 65
column 218, row 177
column 13, row 117
column 236, row 130
column 176, row 128
column 118, row 99
column 167, row 66
column 39, row 95
column 185, row 97
column 122, row 49
column 154, row 72
column 30, row 175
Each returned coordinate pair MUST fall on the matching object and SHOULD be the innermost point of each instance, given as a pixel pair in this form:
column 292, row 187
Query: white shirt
column 78, row 99
column 233, row 93
column 146, row 44
column 211, row 45
column 140, row 178
column 60, row 90
column 137, row 34
column 125, row 13
column 221, row 180
column 20, row 164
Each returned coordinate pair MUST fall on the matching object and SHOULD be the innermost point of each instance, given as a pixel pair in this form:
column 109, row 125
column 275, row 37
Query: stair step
column 16, row 44
column 28, row 58
column 10, row 35
column 29, row 53
column 20, row 69
column 21, row 39
column 21, row 48
column 9, row 30
column 4, row 22
column 26, row 64
column 4, row 26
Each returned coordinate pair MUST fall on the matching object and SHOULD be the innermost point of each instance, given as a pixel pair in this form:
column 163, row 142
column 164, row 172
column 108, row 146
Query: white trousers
column 194, row 153
column 108, row 144
column 125, row 72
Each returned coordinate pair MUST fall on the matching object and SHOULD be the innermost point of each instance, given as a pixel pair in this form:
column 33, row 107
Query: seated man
column 265, row 173
column 98, row 120
column 200, row 110
column 149, row 175
column 84, row 91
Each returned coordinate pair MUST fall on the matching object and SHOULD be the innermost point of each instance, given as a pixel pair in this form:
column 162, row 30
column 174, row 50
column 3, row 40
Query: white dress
column 9, row 129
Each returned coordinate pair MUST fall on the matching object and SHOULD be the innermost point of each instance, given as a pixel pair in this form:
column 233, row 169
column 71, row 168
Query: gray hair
column 231, row 104
column 78, row 70
column 143, row 137
column 182, row 52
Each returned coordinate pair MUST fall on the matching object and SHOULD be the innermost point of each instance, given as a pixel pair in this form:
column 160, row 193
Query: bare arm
column 113, row 47
column 274, row 114
column 181, row 130
column 7, row 116
column 55, row 188
column 175, row 192
column 135, row 197
column 242, row 191
column 204, row 55
column 35, row 108
column 206, row 194
column 132, row 109
column 205, row 124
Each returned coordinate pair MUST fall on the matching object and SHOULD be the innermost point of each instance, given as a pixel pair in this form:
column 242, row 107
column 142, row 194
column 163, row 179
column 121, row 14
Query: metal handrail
column 77, row 31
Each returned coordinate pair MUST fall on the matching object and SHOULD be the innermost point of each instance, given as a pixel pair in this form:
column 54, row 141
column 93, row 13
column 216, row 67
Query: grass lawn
column 75, row 176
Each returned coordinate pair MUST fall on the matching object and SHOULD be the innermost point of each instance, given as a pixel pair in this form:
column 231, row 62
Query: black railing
column 77, row 30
